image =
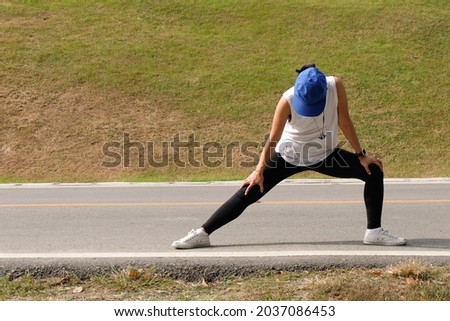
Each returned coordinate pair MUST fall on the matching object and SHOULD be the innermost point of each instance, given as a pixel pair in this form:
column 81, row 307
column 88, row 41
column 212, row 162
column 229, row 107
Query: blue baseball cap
column 310, row 93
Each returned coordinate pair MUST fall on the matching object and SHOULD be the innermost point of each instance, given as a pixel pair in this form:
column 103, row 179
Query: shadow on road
column 431, row 243
column 417, row 243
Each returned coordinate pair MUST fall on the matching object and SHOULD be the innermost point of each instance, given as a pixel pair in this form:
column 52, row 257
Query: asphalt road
column 300, row 222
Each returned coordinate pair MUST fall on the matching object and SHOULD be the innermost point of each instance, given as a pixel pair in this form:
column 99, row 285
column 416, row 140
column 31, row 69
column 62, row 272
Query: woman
column 304, row 136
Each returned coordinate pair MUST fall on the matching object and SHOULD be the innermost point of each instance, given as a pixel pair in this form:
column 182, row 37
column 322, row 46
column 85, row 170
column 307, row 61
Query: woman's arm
column 348, row 129
column 280, row 117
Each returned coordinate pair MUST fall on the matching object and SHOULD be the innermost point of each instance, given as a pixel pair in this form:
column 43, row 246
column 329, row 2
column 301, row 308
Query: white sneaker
column 382, row 237
column 195, row 238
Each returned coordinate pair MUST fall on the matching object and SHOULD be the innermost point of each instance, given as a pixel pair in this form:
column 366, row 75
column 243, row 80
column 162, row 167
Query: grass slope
column 78, row 74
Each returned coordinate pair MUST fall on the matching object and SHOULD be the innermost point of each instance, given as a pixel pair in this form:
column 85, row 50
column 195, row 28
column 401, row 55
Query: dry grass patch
column 60, row 137
column 411, row 281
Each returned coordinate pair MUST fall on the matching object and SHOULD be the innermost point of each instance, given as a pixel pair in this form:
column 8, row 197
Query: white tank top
column 300, row 143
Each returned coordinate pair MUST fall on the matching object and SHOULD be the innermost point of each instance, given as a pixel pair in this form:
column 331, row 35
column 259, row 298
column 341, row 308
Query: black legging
column 340, row 163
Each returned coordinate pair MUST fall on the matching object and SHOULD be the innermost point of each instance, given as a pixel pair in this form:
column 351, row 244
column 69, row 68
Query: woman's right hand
column 255, row 178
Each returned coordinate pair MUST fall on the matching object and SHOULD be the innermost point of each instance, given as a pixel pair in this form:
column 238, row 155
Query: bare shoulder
column 340, row 89
column 338, row 81
column 283, row 106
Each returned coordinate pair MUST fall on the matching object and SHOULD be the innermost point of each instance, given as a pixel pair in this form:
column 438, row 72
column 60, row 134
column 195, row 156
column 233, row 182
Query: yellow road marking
column 143, row 204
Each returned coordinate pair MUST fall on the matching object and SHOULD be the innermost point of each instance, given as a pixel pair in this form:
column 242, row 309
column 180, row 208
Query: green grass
column 76, row 74
column 409, row 281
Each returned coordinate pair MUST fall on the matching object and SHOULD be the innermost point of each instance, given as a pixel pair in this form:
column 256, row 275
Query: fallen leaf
column 135, row 274
column 78, row 289
column 376, row 273
column 411, row 281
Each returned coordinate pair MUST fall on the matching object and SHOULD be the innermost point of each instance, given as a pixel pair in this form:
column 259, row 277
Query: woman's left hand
column 256, row 178
column 366, row 161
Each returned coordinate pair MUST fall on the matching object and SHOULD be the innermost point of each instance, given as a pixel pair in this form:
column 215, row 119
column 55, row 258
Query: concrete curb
column 331, row 181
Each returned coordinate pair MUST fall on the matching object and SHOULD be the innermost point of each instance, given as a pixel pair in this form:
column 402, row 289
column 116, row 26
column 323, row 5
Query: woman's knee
column 252, row 197
column 375, row 172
